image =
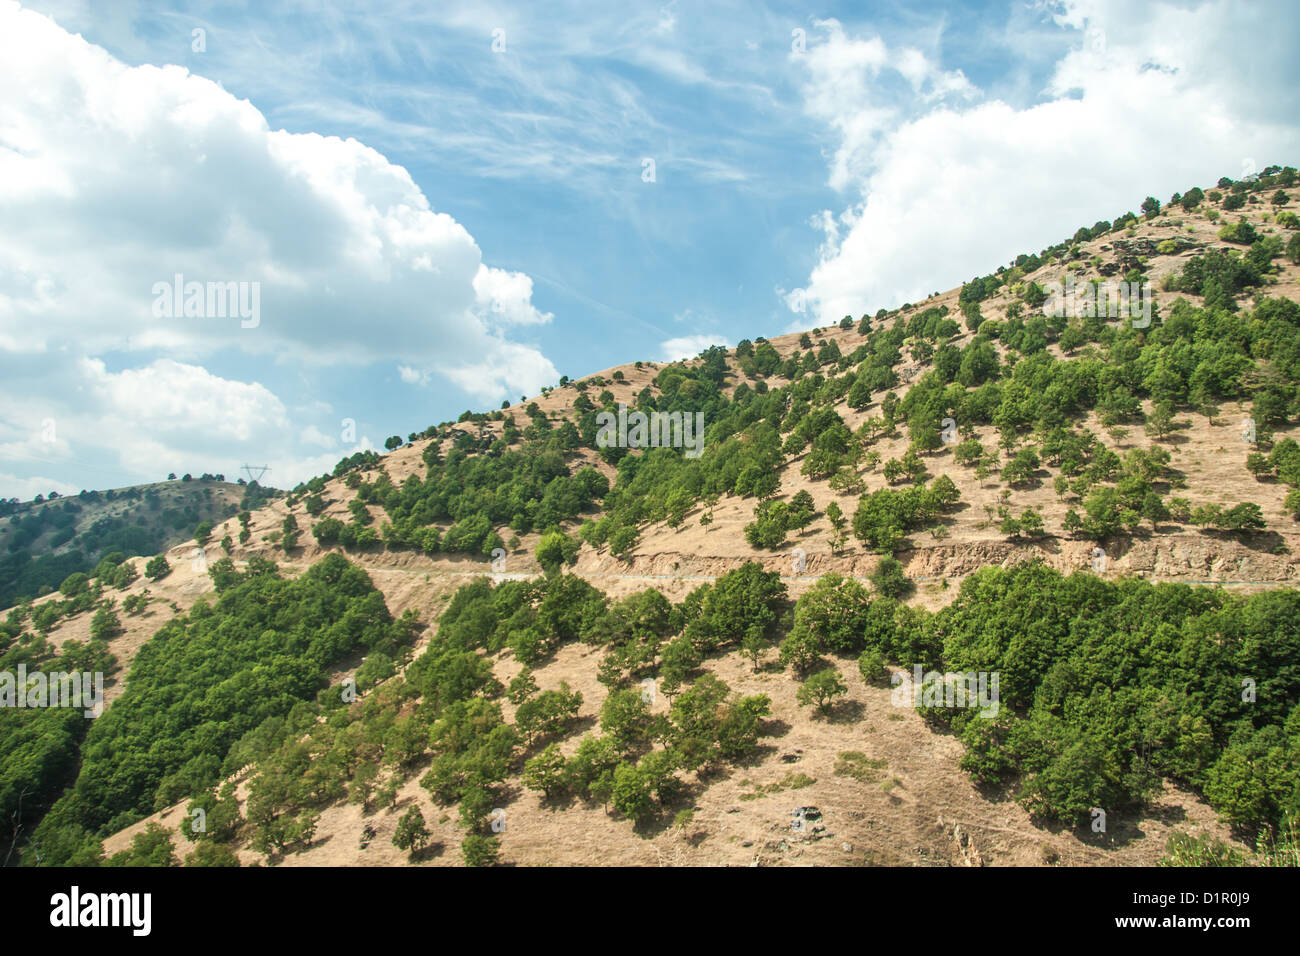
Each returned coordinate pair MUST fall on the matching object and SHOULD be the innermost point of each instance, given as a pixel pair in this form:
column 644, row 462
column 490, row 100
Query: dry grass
column 890, row 790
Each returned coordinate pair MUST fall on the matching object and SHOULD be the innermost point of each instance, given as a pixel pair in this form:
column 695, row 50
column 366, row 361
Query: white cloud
column 844, row 91
column 25, row 489
column 511, row 370
column 688, row 346
column 1150, row 99
column 290, row 471
column 506, row 297
column 311, row 435
column 142, row 422
column 412, row 376
column 167, row 416
column 114, row 178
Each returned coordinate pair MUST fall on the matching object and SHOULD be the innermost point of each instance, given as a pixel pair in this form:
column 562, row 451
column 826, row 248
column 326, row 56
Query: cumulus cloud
column 515, row 369
column 145, row 421
column 25, row 489
column 115, row 178
column 506, row 297
column 167, row 415
column 116, row 181
column 289, row 471
column 946, row 183
column 688, row 346
column 845, row 77
column 311, row 435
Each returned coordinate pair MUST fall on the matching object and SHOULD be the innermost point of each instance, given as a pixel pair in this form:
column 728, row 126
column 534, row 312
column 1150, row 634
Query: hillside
column 43, row 541
column 1101, row 512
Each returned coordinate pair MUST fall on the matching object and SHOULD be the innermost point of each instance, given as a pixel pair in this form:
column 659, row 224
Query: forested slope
column 965, row 484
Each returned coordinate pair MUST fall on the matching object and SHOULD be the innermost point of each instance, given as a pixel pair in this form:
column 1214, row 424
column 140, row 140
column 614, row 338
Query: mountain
column 517, row 638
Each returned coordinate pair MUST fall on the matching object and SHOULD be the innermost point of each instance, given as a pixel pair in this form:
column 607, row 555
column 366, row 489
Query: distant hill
column 43, row 541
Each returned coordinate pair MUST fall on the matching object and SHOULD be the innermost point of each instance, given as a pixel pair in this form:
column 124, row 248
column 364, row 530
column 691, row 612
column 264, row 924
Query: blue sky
column 438, row 225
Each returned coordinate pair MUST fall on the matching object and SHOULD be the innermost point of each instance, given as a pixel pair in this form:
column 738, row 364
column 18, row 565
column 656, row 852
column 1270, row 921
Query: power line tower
column 261, row 470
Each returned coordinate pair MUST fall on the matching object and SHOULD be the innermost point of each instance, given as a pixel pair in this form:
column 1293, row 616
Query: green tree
column 839, row 524
column 871, row 665
column 590, row 770
column 678, row 659
column 631, row 794
column 289, row 533
column 480, row 850
column 802, row 510
column 1031, row 523
column 625, row 717
column 1258, row 465
column 157, row 567
column 522, row 686
column 1020, row 470
column 105, row 625
column 208, row 853
column 1104, row 513
column 411, row 833
column 890, row 579
column 741, row 726
column 547, row 714
column 362, row 786
column 1161, row 420
column 1154, row 510
column 623, row 541
column 152, row 846
column 547, row 772
column 821, row 689
column 555, row 550
column 75, row 584
column 679, row 504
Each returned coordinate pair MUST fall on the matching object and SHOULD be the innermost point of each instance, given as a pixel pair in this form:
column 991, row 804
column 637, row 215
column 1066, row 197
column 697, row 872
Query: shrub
column 480, row 850
column 821, row 689
column 1240, row 232
column 871, row 665
column 555, row 550
column 889, row 578
column 411, row 832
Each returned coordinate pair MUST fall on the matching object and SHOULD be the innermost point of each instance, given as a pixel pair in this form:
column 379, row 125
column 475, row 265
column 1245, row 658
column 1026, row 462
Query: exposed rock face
column 1129, row 253
column 1190, row 558
column 1193, row 558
